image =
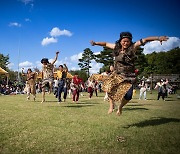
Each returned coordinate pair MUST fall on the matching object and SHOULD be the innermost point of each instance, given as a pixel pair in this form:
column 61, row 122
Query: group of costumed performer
column 119, row 84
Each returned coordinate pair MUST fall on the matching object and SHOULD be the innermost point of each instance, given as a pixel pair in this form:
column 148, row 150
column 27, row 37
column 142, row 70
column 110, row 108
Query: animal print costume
column 120, row 81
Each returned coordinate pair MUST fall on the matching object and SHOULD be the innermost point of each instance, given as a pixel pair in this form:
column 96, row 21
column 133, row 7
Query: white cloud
column 96, row 53
column 74, row 68
column 171, row 43
column 26, row 65
column 47, row 41
column 10, row 65
column 95, row 67
column 75, row 60
column 76, row 57
column 15, row 24
column 26, row 1
column 28, row 20
column 57, row 32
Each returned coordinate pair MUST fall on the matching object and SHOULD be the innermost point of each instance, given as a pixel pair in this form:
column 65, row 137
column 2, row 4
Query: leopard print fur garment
column 114, row 85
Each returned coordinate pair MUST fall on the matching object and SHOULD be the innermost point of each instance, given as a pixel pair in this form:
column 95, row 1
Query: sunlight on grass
column 149, row 126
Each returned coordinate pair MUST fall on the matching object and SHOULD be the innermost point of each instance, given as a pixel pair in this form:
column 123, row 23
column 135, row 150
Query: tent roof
column 2, row 71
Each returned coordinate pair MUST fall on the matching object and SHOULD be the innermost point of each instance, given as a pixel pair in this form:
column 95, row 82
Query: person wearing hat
column 47, row 75
column 119, row 84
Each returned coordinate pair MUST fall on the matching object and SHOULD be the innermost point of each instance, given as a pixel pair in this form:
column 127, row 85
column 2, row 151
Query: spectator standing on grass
column 161, row 86
column 143, row 89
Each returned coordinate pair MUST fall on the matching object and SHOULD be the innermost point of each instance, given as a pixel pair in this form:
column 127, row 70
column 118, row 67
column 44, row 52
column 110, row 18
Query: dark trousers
column 75, row 95
column 90, row 91
column 56, row 91
column 161, row 94
column 96, row 92
column 61, row 89
column 128, row 95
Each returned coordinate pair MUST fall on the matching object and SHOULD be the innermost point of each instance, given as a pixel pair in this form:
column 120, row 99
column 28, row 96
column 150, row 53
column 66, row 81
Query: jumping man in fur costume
column 47, row 75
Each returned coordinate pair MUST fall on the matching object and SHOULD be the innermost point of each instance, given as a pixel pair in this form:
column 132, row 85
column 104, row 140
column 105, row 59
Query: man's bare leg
column 123, row 102
column 28, row 96
column 43, row 95
column 111, row 106
column 34, row 97
column 50, row 88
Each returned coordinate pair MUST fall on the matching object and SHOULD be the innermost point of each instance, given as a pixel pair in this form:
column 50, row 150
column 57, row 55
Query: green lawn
column 149, row 126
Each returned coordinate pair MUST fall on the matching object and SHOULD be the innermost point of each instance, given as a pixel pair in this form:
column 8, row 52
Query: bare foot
column 110, row 110
column 119, row 112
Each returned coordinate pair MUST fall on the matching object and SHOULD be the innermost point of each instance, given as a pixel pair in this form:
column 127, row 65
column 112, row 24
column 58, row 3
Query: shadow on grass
column 142, row 104
column 167, row 100
column 135, row 105
column 49, row 101
column 153, row 122
column 89, row 102
column 151, row 99
column 137, row 108
column 78, row 106
column 99, row 96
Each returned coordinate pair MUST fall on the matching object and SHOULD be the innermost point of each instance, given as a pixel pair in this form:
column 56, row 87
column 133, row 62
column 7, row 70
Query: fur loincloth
column 115, row 85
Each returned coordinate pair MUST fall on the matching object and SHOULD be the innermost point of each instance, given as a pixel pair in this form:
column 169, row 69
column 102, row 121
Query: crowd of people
column 117, row 83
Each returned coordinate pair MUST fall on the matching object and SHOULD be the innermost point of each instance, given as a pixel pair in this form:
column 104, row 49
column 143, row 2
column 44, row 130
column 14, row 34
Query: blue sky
column 69, row 25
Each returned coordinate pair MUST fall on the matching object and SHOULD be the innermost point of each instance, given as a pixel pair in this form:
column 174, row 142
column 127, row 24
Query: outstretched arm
column 104, row 44
column 55, row 58
column 23, row 74
column 149, row 39
column 65, row 68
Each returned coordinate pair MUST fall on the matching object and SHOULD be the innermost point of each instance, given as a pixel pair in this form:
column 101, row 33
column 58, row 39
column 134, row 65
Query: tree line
column 153, row 63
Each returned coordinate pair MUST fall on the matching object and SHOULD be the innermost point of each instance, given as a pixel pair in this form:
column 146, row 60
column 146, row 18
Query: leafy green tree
column 141, row 61
column 85, row 61
column 81, row 74
column 173, row 60
column 151, row 67
column 12, row 75
column 4, row 61
column 106, row 58
column 163, row 62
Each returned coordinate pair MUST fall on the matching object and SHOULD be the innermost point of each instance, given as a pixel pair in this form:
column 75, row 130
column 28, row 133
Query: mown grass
column 149, row 126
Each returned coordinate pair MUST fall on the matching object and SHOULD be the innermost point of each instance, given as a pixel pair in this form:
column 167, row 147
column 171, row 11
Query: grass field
column 149, row 126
